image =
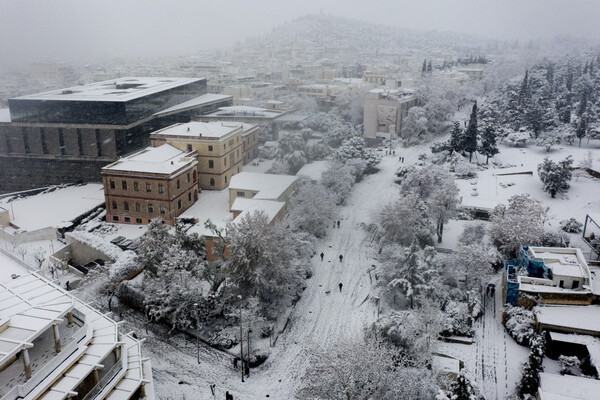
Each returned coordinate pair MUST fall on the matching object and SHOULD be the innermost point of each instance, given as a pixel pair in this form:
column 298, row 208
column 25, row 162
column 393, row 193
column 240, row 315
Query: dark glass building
column 68, row 135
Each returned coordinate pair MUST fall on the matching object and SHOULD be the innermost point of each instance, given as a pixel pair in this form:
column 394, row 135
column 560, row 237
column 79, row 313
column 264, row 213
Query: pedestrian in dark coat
column 341, row 257
column 338, row 224
column 340, row 285
column 235, row 363
column 322, row 255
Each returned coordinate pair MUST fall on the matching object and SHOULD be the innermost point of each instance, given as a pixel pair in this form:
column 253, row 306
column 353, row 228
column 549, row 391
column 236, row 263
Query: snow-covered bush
column 555, row 239
column 125, row 265
column 312, row 208
column 457, row 322
column 520, row 324
column 317, row 151
column 571, row 225
column 339, row 179
column 354, row 148
column 517, row 139
column 555, row 176
column 567, row 364
column 473, row 234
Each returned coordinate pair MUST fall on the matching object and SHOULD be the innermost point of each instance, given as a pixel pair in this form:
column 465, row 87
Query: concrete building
column 552, row 275
column 56, row 347
column 385, row 110
column 68, row 135
column 4, row 217
column 157, row 182
column 222, row 148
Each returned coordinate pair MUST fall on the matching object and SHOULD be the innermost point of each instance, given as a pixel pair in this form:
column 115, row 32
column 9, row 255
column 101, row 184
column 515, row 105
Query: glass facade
column 102, row 112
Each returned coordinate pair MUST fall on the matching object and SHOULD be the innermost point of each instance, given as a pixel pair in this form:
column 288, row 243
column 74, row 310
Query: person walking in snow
column 341, row 257
column 322, row 255
column 340, row 285
column 338, row 224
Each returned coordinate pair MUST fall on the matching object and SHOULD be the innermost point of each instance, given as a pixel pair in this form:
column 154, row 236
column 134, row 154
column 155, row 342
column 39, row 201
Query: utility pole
column 197, row 334
column 241, row 340
column 249, row 330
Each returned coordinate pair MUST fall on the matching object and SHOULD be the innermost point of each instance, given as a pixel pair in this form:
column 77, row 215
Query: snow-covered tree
column 442, row 204
column 312, row 208
column 405, row 221
column 154, row 244
column 354, row 369
column 339, row 179
column 520, row 324
column 456, row 138
column 517, row 139
column 520, row 223
column 530, row 380
column 571, row 225
column 414, row 125
column 555, row 176
column 488, row 146
column 473, row 263
column 463, row 389
column 354, row 148
column 260, row 261
column 470, row 136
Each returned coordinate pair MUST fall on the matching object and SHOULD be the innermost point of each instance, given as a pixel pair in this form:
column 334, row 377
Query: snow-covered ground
column 32, row 212
column 9, row 267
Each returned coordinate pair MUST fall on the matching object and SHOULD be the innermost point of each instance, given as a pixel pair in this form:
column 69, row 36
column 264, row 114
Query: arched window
column 212, row 181
column 150, row 208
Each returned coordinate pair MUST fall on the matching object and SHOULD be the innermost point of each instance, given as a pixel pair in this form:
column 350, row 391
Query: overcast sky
column 34, row 30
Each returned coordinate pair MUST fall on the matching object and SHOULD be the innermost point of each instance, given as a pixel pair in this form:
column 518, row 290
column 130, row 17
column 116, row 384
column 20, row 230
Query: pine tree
column 470, row 142
column 456, row 138
column 585, row 94
column 462, row 389
column 569, row 80
column 412, row 269
column 424, row 67
column 489, row 147
column 524, row 89
column 555, row 176
column 534, row 119
column 581, row 130
column 530, row 381
column 429, row 66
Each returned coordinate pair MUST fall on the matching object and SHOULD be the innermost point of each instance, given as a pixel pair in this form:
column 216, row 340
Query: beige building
column 220, row 148
column 385, row 110
column 157, row 182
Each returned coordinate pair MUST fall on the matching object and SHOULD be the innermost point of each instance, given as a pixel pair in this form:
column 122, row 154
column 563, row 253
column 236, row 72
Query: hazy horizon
column 72, row 30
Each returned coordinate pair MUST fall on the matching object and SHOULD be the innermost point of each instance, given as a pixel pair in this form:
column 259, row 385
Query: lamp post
column 249, row 330
column 197, row 334
column 241, row 340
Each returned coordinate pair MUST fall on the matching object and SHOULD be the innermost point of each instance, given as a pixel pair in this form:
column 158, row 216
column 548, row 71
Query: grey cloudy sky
column 34, row 30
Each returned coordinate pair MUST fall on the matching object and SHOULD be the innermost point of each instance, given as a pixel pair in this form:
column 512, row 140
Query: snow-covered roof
column 313, row 170
column 8, row 267
column 211, row 204
column 197, row 129
column 199, row 101
column 165, row 160
column 249, row 206
column 562, row 387
column 54, row 208
column 446, row 364
column 245, row 111
column 268, row 186
column 29, row 306
column 117, row 90
column 585, row 318
column 562, row 261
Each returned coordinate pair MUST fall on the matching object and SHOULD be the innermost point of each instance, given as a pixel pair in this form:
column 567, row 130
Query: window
column 224, row 146
column 178, row 184
column 112, row 184
column 179, row 204
column 61, row 141
column 231, row 142
column 136, row 186
column 188, row 177
column 163, row 210
column 238, row 152
column 150, row 208
column 79, row 141
column 114, row 205
column 190, row 196
column 161, row 188
column 211, row 164
column 209, row 148
column 126, row 206
column 25, row 140
column 124, row 185
column 138, row 220
column 195, row 176
column 561, row 284
column 225, row 179
column 115, row 218
column 241, row 194
column 148, row 187
column 189, row 147
column 225, row 161
column 43, row 139
column 98, row 143
column 127, row 219
column 575, row 284
column 138, row 208
column 212, row 181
